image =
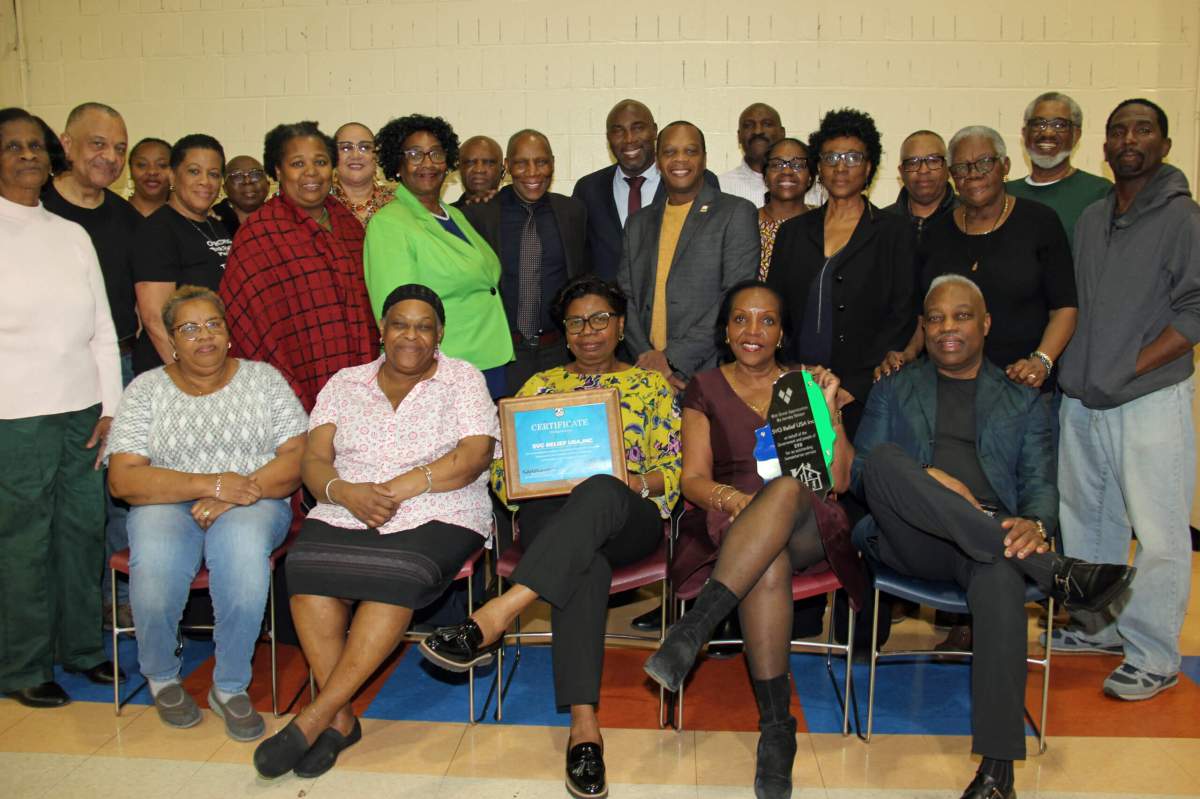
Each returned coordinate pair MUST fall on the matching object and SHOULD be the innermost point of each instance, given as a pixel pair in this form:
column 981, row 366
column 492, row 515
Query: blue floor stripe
column 79, row 687
column 419, row 691
column 1191, row 667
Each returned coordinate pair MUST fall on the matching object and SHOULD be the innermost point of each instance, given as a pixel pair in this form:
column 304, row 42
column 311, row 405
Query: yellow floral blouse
column 649, row 411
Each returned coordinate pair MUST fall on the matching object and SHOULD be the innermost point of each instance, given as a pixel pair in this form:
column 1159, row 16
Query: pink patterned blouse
column 373, row 443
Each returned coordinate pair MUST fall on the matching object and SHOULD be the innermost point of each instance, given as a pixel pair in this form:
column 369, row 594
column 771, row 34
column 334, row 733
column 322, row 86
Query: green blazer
column 405, row 244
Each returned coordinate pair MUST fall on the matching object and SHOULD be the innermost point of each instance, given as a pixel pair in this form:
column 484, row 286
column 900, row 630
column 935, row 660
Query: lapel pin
column 704, row 209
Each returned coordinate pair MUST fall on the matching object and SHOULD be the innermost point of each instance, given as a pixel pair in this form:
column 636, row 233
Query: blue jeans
column 1134, row 468
column 166, row 550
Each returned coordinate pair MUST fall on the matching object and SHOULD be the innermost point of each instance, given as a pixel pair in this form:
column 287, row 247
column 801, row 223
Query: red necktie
column 635, row 196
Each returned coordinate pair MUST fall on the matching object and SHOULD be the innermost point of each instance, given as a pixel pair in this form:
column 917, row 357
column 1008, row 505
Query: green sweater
column 1068, row 197
column 405, row 244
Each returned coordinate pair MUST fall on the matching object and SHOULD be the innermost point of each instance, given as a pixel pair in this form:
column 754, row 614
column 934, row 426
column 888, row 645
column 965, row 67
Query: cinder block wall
column 234, row 67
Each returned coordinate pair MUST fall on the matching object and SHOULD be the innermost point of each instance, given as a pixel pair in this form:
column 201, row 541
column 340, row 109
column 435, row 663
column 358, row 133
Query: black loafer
column 650, row 621
column 48, row 694
column 280, row 753
column 585, row 771
column 102, row 673
column 1089, row 586
column 325, row 750
column 458, row 648
column 984, row 786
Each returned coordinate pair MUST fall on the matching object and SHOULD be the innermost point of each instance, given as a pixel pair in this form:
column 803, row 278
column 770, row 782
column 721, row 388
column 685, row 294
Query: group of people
column 349, row 336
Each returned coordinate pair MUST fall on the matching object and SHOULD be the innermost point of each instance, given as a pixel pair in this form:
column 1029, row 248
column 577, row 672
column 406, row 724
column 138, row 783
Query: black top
column 513, row 217
column 111, row 227
column 1024, row 270
column 171, row 248
column 922, row 224
column 954, row 437
column 225, row 212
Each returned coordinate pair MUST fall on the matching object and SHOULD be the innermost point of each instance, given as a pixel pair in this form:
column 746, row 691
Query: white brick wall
column 234, row 67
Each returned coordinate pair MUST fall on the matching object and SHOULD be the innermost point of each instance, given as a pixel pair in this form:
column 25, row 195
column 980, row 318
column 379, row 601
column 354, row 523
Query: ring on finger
column 206, row 513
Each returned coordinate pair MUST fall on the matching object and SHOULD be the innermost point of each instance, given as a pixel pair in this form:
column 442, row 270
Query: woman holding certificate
column 756, row 534
column 573, row 542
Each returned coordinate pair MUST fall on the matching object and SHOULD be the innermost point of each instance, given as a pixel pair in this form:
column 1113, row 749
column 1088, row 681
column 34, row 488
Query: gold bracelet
column 723, row 496
column 428, row 478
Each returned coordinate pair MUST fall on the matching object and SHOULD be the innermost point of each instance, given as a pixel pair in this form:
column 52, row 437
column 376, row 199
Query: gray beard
column 1047, row 161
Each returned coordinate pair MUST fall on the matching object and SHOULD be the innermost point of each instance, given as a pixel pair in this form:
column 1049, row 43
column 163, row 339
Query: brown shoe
column 957, row 640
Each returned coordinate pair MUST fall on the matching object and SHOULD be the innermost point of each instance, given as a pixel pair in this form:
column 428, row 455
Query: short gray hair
column 186, row 294
column 952, row 279
column 983, row 132
column 1055, row 97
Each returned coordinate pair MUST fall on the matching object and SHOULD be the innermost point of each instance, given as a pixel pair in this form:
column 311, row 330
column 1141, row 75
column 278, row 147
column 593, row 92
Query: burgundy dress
column 731, row 436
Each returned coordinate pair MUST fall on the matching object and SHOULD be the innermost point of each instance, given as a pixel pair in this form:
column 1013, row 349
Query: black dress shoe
column 984, row 786
column 650, row 621
column 101, row 674
column 727, row 629
column 48, row 694
column 280, row 753
column 1088, row 586
column 585, row 771
column 458, row 648
column 325, row 750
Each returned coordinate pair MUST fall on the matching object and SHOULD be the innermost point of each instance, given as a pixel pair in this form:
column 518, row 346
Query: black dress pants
column 929, row 532
column 571, row 546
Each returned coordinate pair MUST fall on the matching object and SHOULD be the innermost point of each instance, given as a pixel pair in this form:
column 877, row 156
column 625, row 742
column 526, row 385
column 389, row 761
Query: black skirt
column 410, row 568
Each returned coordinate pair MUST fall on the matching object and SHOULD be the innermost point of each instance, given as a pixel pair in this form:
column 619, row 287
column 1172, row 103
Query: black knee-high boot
column 675, row 658
column 776, row 739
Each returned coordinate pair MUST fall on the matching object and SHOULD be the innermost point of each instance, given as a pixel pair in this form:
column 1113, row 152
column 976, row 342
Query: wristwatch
column 645, row 492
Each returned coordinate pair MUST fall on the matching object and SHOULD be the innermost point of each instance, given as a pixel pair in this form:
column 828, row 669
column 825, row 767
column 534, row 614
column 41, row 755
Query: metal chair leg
column 849, row 689
column 1046, row 675
column 115, row 653
column 274, row 655
column 874, row 658
column 470, row 671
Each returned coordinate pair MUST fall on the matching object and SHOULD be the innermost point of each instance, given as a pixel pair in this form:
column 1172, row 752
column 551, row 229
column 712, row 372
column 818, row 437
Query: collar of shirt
column 370, row 377
column 621, row 189
column 509, row 196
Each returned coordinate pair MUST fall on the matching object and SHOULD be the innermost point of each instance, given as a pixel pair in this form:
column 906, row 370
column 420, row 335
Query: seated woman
column 572, row 543
column 396, row 458
column 775, row 530
column 206, row 450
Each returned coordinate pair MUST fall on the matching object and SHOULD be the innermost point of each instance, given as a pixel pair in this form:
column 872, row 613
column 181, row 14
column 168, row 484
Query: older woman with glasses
column 788, row 177
column 207, row 451
column 356, row 183
column 246, row 189
column 418, row 239
column 1015, row 250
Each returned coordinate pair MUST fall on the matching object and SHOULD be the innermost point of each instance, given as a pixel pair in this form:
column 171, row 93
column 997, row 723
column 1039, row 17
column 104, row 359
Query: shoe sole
column 482, row 659
column 1117, row 695
column 659, row 678
column 571, row 789
column 1060, row 649
column 173, row 725
column 1105, row 599
column 215, row 707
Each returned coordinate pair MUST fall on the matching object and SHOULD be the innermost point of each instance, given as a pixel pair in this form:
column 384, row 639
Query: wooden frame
column 556, row 408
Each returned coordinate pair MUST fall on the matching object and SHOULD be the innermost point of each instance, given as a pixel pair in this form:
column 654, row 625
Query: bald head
column 759, row 129
column 95, row 143
column 530, row 163
column 956, row 325
column 631, row 132
column 527, row 135
column 479, row 165
column 245, row 183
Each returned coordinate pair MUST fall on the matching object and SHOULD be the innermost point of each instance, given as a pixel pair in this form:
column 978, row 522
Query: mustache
column 762, row 137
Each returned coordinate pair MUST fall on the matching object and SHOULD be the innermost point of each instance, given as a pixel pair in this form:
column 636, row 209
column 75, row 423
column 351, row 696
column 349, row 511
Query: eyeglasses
column 981, row 166
column 1040, row 124
column 246, row 176
column 416, row 156
column 597, row 321
column 364, row 147
column 851, row 159
column 191, row 331
column 780, row 164
column 931, row 162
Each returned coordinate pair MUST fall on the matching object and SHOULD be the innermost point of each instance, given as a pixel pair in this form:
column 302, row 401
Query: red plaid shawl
column 295, row 295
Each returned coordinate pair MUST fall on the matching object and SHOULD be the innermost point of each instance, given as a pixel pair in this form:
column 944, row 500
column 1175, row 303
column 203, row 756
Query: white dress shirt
column 621, row 189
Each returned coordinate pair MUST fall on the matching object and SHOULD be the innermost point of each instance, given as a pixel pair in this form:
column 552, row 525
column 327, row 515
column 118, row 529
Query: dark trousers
column 929, row 532
column 528, row 361
column 52, row 539
column 571, row 546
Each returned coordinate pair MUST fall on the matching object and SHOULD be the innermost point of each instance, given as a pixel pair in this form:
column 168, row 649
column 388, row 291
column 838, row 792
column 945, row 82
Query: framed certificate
column 553, row 442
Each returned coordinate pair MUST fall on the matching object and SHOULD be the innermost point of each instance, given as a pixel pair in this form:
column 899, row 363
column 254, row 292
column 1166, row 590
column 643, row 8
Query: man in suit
column 609, row 193
column 679, row 258
column 539, row 236
column 956, row 464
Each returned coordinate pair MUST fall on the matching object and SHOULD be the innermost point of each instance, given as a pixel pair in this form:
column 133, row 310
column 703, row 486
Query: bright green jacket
column 405, row 244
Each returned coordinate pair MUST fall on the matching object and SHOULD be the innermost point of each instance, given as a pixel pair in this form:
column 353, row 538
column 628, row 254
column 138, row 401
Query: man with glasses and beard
column 1052, row 127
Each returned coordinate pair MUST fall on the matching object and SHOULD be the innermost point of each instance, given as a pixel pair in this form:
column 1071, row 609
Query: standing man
column 680, row 257
column 1053, row 125
column 245, row 191
column 614, row 193
column 1127, row 453
column 927, row 194
column 539, row 236
column 758, row 128
column 480, row 169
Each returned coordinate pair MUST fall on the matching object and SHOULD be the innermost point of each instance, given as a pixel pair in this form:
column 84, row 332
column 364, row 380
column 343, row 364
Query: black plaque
column 802, row 430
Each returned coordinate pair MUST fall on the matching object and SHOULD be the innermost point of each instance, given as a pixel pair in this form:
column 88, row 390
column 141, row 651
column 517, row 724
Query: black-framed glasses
column 931, row 162
column 416, row 156
column 191, row 331
column 246, row 176
column 597, row 321
column 980, row 166
column 851, row 158
column 1057, row 124
column 364, row 147
column 780, row 164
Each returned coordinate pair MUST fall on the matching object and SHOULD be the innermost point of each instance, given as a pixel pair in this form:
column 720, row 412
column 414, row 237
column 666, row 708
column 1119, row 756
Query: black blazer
column 603, row 221
column 875, row 302
column 569, row 213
